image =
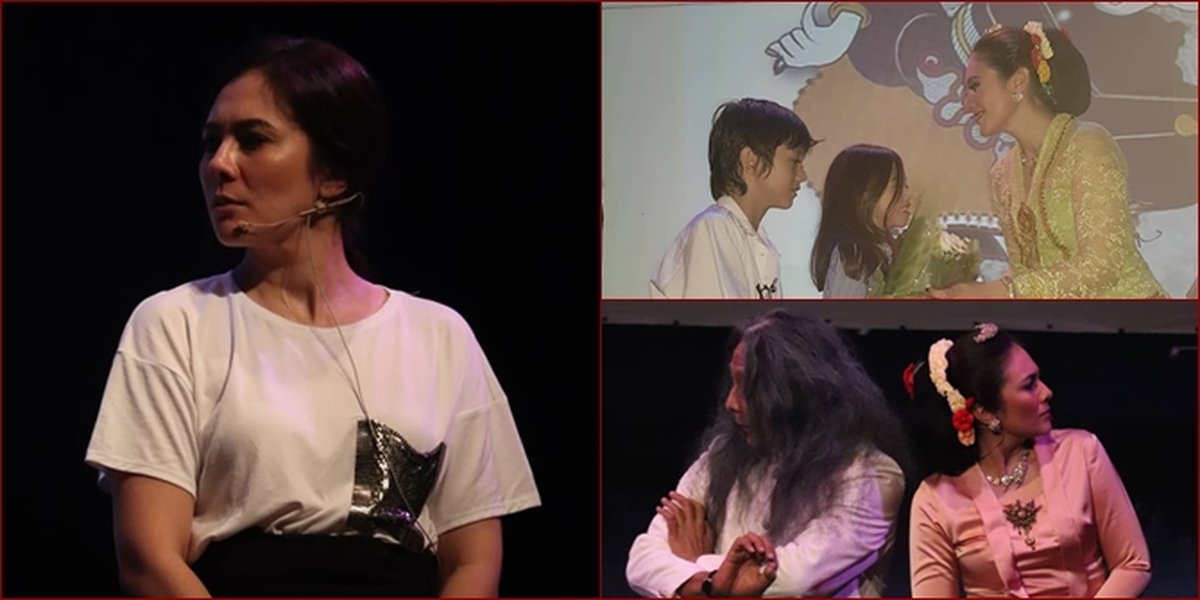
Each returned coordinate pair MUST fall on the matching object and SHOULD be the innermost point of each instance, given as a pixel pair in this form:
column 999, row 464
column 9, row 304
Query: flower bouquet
column 928, row 256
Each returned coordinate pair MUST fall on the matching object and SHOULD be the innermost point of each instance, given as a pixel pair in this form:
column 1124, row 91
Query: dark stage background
column 1137, row 392
column 490, row 207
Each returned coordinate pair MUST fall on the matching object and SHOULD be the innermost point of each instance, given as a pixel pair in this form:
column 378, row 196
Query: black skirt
column 257, row 564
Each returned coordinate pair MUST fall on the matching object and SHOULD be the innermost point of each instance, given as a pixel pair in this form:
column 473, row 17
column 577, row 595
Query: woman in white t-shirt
column 289, row 428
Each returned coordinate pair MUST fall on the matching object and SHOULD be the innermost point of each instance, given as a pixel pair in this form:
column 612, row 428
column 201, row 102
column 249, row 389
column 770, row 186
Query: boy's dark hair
column 760, row 125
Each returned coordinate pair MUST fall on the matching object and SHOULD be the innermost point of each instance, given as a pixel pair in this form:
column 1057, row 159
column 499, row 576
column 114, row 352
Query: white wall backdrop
column 886, row 74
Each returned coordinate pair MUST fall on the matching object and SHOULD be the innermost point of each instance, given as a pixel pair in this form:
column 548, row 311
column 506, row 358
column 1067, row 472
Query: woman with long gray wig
column 798, row 482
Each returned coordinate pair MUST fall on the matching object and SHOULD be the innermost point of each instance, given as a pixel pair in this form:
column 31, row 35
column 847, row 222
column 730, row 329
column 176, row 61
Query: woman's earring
column 1018, row 96
column 994, row 426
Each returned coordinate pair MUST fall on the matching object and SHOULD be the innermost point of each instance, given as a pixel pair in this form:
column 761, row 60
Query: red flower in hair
column 1034, row 56
column 1037, row 40
column 909, row 375
column 963, row 419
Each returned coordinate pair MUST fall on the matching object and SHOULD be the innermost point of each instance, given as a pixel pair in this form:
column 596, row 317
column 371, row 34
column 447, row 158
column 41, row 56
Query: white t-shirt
column 839, row 554
column 719, row 255
column 255, row 416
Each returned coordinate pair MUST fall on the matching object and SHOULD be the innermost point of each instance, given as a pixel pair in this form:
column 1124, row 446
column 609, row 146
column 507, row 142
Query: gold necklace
column 1017, row 477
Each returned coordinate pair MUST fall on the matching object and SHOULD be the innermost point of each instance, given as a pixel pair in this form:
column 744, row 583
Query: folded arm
column 653, row 569
column 832, row 551
column 843, row 544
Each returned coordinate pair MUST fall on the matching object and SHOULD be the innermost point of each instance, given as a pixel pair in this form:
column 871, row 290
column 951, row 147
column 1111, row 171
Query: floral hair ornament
column 960, row 407
column 985, row 332
column 1040, row 54
column 909, row 378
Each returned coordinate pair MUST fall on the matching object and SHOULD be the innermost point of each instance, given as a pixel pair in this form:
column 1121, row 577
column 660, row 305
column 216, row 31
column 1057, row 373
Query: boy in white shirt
column 756, row 151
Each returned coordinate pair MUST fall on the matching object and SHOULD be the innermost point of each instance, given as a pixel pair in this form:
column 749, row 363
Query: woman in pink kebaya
column 1014, row 507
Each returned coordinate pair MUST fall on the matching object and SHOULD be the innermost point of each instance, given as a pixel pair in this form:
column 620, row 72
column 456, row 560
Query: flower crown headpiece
column 1040, row 54
column 962, row 418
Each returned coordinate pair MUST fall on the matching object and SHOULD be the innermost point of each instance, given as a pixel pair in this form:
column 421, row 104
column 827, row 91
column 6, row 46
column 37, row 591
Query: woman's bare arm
column 152, row 523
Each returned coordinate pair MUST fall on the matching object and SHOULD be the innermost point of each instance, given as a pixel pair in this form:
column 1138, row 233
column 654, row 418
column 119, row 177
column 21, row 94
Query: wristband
column 707, row 587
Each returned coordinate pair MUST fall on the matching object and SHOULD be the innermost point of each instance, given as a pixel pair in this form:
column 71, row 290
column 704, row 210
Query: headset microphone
column 319, row 208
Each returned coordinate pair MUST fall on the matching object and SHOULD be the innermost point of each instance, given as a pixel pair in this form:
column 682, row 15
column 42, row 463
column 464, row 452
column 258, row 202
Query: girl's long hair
column 857, row 178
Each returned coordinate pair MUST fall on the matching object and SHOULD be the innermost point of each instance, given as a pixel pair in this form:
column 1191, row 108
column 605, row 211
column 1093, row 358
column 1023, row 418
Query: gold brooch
column 1023, row 517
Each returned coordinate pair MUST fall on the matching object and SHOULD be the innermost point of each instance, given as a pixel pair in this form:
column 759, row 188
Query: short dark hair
column 333, row 99
column 856, row 180
column 976, row 370
column 1008, row 49
column 760, row 125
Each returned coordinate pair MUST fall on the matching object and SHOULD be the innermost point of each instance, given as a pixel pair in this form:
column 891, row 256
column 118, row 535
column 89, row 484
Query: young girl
column 865, row 198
